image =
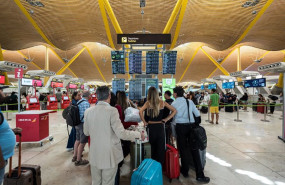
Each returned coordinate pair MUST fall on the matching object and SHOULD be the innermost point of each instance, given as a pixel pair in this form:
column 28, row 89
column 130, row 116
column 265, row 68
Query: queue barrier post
column 208, row 120
column 237, row 120
column 265, row 113
column 245, row 107
column 7, row 113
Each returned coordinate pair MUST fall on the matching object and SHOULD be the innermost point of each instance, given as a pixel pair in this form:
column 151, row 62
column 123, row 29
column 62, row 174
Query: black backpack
column 199, row 132
column 71, row 115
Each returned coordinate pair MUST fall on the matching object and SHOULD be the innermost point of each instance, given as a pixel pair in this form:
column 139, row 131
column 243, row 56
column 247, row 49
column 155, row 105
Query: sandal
column 211, row 122
column 217, row 122
column 81, row 162
column 75, row 158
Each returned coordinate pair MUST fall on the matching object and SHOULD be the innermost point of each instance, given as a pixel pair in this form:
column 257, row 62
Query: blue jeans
column 2, row 173
column 71, row 139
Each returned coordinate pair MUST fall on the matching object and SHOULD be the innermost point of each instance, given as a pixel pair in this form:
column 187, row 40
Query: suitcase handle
column 137, row 141
column 20, row 157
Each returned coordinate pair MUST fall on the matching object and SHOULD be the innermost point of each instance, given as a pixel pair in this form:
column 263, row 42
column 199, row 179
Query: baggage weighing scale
column 35, row 125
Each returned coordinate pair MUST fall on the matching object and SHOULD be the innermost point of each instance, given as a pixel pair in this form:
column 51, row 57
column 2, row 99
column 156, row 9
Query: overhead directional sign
column 144, row 39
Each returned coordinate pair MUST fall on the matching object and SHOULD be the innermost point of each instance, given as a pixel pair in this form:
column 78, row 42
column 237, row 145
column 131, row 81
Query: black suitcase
column 18, row 176
column 229, row 109
column 204, row 109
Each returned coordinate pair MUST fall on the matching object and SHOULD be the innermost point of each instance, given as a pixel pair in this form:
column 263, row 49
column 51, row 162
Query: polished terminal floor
column 238, row 153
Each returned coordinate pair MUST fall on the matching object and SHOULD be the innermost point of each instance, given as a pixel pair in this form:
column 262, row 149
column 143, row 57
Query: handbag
column 198, row 131
column 132, row 115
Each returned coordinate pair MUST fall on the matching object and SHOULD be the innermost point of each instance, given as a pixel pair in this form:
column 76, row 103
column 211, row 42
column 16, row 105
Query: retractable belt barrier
column 265, row 105
column 262, row 104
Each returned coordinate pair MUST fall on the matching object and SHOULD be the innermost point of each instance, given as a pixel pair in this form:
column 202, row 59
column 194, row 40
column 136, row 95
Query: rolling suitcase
column 145, row 153
column 149, row 171
column 36, row 170
column 171, row 165
column 204, row 109
column 18, row 176
column 229, row 109
column 261, row 107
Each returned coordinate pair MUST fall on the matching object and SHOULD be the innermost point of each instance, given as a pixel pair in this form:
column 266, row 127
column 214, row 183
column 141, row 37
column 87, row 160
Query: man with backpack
column 81, row 139
column 185, row 124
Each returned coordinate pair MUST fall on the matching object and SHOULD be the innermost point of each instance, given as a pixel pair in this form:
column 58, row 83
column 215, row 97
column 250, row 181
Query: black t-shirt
column 166, row 111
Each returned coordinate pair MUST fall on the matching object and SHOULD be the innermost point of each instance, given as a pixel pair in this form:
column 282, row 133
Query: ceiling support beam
column 180, row 19
column 172, row 17
column 31, row 62
column 112, row 17
column 216, row 63
column 189, row 63
column 106, row 24
column 238, row 60
column 222, row 62
column 95, row 63
column 52, row 50
column 70, row 62
column 253, row 22
column 46, row 65
column 239, row 63
column 33, row 22
column 4, row 73
column 280, row 80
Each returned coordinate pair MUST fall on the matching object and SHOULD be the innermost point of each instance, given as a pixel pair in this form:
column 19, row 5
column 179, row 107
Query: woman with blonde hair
column 153, row 109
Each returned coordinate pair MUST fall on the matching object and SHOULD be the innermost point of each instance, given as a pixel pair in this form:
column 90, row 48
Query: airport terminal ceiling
column 67, row 27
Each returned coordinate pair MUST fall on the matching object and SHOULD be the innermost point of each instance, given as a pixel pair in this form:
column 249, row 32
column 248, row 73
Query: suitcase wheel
column 41, row 144
column 51, row 138
column 170, row 180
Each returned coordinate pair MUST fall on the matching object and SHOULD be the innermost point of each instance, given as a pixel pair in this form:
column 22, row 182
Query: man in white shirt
column 103, row 125
column 185, row 122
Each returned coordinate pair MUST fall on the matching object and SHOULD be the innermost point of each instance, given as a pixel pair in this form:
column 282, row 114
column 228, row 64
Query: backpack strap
column 80, row 101
column 187, row 102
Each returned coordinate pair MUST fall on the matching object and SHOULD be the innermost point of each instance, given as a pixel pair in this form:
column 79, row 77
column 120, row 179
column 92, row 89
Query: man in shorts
column 81, row 139
column 214, row 106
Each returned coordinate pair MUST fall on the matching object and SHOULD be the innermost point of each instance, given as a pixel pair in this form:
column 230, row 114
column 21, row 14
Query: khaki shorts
column 214, row 110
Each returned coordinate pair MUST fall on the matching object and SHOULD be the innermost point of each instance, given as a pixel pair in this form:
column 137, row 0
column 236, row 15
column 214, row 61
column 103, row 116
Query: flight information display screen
column 117, row 55
column 228, row 85
column 212, row 86
column 37, row 83
column 118, row 62
column 72, row 86
column 135, row 62
column 202, row 87
column 150, row 83
column 118, row 85
column 261, row 82
column 169, row 62
column 135, row 89
column 152, row 62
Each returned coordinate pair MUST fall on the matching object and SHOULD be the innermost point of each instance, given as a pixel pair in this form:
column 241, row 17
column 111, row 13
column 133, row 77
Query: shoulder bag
column 198, row 131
